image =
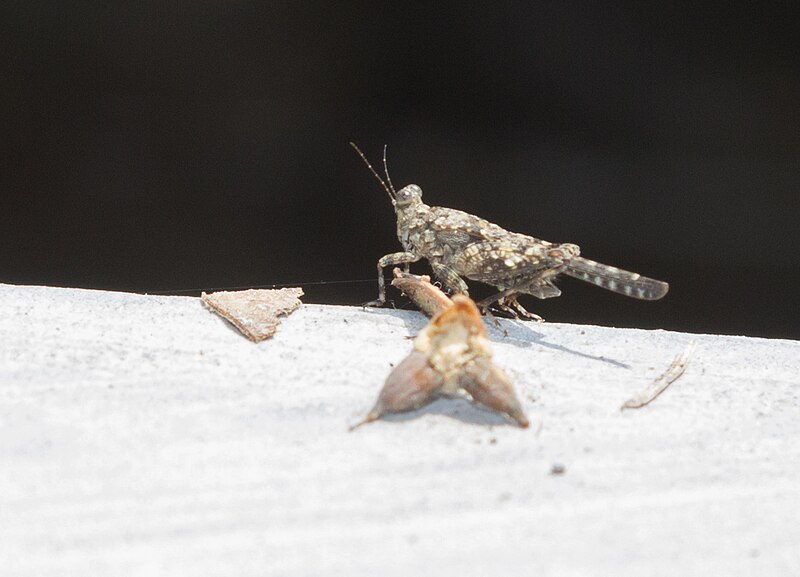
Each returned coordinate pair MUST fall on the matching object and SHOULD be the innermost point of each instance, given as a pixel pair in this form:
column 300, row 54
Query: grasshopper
column 458, row 244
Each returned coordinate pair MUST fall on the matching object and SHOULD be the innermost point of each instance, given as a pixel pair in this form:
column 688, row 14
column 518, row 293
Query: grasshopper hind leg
column 450, row 278
column 512, row 303
column 541, row 287
column 507, row 303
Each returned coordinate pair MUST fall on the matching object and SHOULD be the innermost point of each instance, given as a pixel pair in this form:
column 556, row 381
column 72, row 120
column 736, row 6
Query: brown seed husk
column 410, row 385
column 451, row 353
column 489, row 386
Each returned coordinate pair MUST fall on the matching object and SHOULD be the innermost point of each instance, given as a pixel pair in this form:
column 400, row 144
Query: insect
column 458, row 244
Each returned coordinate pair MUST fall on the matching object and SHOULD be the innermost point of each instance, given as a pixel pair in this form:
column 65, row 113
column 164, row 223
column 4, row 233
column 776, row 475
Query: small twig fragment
column 254, row 312
column 428, row 297
column 673, row 372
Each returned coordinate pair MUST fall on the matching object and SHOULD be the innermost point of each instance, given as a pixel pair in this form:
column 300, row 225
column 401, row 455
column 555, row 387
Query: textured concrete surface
column 142, row 435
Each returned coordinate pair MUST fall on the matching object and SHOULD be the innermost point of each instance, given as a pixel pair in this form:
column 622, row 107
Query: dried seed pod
column 450, row 354
column 410, row 385
column 489, row 386
column 452, row 338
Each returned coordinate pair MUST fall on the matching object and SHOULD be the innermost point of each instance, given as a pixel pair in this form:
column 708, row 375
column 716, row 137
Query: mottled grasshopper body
column 458, row 244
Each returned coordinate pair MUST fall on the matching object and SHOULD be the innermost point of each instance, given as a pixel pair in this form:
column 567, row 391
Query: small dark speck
column 558, row 469
column 493, row 441
column 345, row 321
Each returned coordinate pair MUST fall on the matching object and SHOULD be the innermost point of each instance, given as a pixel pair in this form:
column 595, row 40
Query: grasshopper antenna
column 364, row 158
column 386, row 170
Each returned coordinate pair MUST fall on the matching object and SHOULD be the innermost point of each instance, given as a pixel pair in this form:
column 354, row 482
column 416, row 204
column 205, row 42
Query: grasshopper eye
column 408, row 194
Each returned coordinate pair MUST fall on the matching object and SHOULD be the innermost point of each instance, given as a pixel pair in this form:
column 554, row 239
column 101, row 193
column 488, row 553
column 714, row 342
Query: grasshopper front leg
column 392, row 259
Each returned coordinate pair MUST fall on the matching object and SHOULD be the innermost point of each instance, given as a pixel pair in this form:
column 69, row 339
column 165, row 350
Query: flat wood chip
column 254, row 312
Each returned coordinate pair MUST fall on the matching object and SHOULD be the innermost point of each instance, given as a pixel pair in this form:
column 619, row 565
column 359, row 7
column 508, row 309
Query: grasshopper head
column 407, row 196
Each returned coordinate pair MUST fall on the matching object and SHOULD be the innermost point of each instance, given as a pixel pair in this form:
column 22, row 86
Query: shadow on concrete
column 514, row 332
column 522, row 334
column 456, row 407
column 414, row 321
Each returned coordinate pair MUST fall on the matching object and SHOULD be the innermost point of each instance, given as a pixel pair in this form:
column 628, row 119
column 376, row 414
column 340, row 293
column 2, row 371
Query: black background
column 157, row 146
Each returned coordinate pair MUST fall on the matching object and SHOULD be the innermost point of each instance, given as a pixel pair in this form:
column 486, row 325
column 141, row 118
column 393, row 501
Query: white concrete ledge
column 141, row 435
